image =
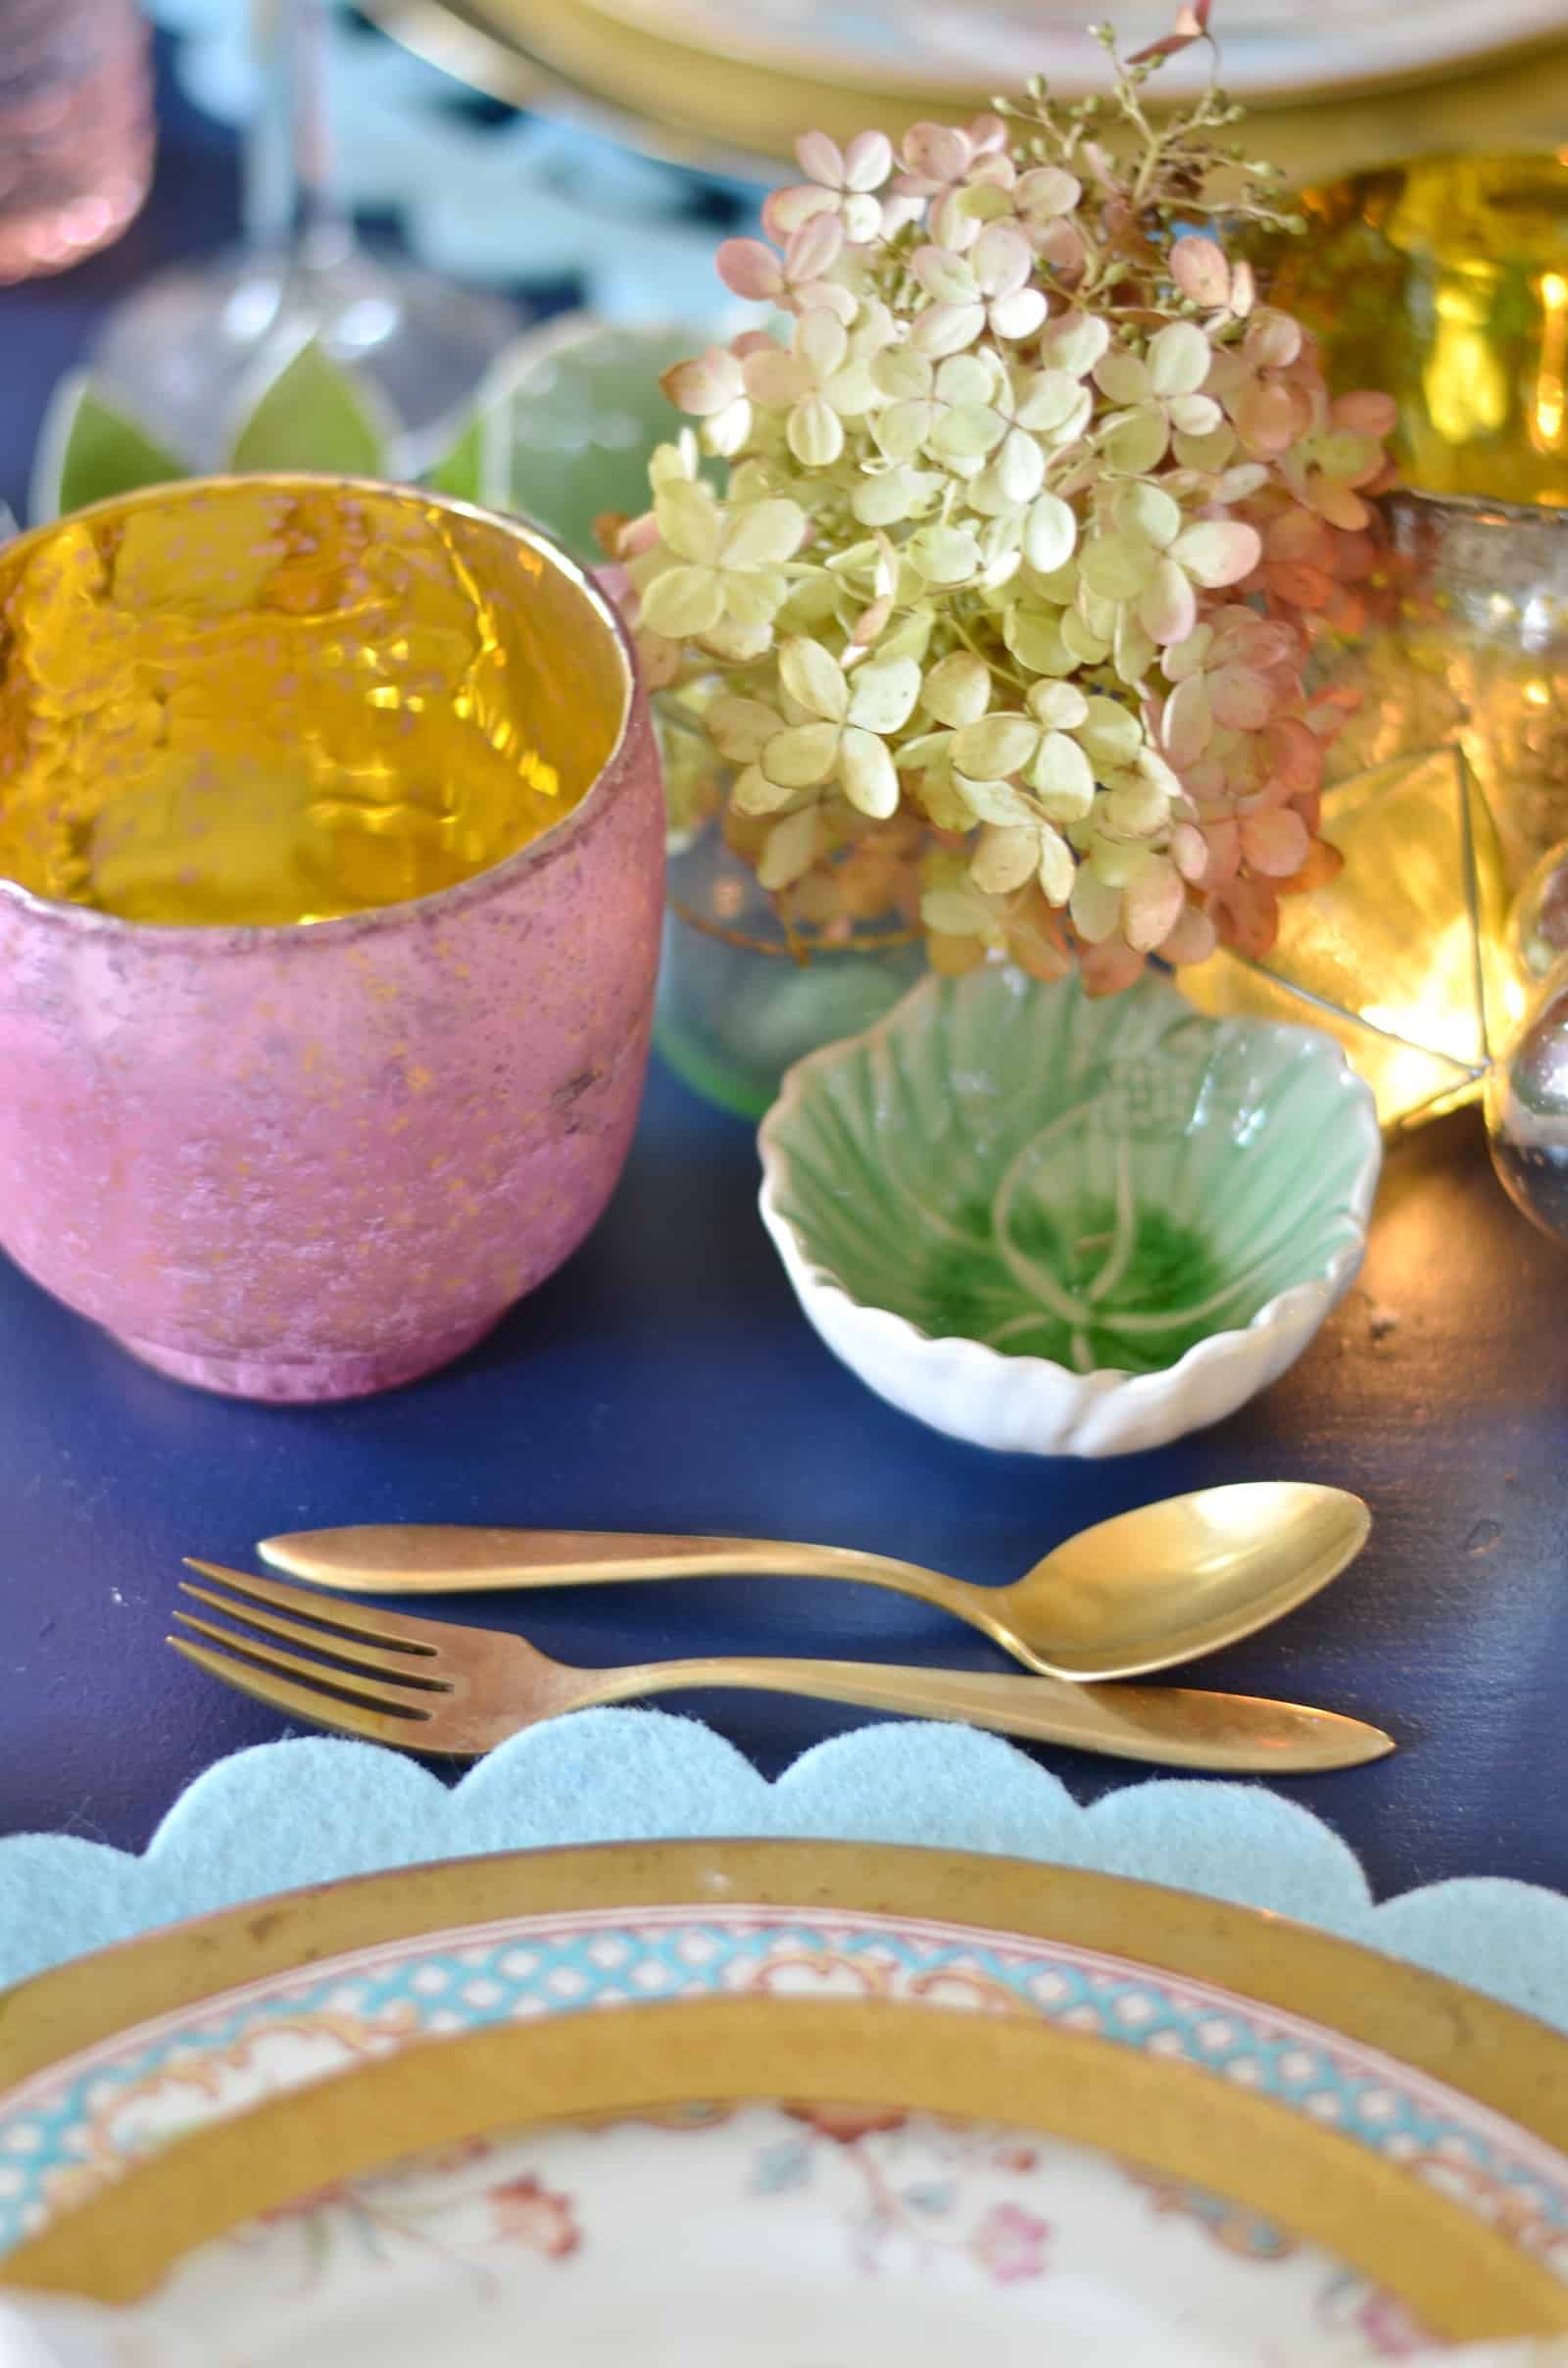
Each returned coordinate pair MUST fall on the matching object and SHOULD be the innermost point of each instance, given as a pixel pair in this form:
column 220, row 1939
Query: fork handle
column 413, row 1558
column 1168, row 1726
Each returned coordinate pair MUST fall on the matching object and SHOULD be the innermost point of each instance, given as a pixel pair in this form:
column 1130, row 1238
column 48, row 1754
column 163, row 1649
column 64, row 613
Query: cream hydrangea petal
column 958, row 689
column 1049, row 398
column 1046, row 192
column 812, row 675
column 803, row 757
column 741, row 729
column 967, row 432
column 755, row 596
column 820, row 341
column 1193, row 414
column 1095, row 907
column 862, row 218
column 762, row 534
column 792, row 849
column 1050, row 533
column 1075, row 343
column 814, row 432
column 1060, row 706
column 892, row 496
column 1055, row 867
column 870, row 777
column 943, row 554
column 1002, row 260
column 902, row 376
column 998, row 801
column 1116, row 566
column 883, row 694
column 995, row 746
column 944, row 276
column 683, row 602
column 1137, row 442
column 1123, row 377
column 774, row 376
column 1083, row 644
column 1110, row 734
column 1006, row 856
column 1035, row 640
column 690, row 521
column 1019, row 468
column 754, row 794
column 1063, row 776
column 946, row 328
column 972, row 378
column 1147, row 512
column 1178, row 359
column 1016, row 315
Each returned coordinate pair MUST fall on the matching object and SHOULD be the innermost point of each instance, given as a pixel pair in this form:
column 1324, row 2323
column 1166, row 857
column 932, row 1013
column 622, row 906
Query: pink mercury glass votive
column 331, row 876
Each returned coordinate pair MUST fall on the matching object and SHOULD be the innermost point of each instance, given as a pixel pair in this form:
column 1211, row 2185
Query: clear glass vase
column 739, row 999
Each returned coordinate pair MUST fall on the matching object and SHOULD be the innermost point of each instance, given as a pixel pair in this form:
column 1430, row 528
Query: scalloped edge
column 1106, row 1412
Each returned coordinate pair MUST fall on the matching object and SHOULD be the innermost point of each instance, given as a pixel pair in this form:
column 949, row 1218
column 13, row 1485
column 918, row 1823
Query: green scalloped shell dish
column 1042, row 1221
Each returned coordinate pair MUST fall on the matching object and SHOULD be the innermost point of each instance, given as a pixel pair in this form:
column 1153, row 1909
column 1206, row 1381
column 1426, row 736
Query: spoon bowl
column 1140, row 1592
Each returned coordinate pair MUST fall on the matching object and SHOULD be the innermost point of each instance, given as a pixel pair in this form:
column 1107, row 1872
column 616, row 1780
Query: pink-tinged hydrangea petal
column 1218, row 551
column 1168, row 607
column 1265, row 418
column 1366, row 413
column 821, row 342
column 708, row 384
column 1337, row 504
column 1296, row 755
column 986, row 133
column 1192, row 940
column 1301, row 586
column 1109, row 968
column 815, row 248
column 1243, row 290
column 1188, row 851
column 1188, row 721
column 1224, row 842
column 774, row 376
column 784, row 210
column 1241, row 700
column 944, row 276
column 948, row 328
column 825, row 296
column 1275, row 843
column 1200, row 270
column 937, row 152
column 820, row 159
column 1152, row 906
column 749, row 269
column 1001, row 259
column 1246, row 915
column 952, row 224
column 867, row 161
column 1273, row 340
column 1018, row 315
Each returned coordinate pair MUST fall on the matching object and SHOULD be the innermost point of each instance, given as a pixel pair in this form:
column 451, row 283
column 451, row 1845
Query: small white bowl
column 1066, row 1227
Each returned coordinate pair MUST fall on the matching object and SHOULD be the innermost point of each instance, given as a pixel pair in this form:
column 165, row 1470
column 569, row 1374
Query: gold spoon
column 1141, row 1592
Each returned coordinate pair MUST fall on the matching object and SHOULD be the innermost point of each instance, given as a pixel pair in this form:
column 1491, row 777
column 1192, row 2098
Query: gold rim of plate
column 690, row 99
column 591, row 2065
column 1462, row 2276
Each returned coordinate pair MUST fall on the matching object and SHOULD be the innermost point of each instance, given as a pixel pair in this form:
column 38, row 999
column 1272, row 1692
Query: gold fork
column 432, row 1685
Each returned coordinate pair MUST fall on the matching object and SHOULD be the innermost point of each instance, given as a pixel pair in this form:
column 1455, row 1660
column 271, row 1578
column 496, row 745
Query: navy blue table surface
column 665, row 1379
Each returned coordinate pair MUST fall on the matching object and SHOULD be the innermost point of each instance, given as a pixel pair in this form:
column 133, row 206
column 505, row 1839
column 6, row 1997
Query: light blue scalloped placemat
column 309, row 1810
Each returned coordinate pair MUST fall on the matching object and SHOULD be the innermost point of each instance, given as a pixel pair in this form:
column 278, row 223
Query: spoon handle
column 430, row 1559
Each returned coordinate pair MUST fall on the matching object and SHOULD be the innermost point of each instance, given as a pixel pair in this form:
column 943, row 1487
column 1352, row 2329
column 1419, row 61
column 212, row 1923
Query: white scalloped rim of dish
column 1020, row 1096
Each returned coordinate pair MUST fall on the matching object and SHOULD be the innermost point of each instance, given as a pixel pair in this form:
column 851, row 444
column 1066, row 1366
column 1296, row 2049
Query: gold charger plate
column 735, row 114
column 1463, row 2275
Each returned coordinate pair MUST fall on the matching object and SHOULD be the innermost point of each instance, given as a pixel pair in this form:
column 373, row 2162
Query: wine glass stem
column 289, row 206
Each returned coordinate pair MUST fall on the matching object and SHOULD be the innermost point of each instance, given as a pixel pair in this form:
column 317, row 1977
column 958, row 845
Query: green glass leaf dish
column 1062, row 1226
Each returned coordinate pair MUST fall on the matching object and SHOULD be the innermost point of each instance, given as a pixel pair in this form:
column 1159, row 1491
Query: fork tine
column 368, row 1660
column 329, row 1611
column 361, row 1686
column 318, row 1708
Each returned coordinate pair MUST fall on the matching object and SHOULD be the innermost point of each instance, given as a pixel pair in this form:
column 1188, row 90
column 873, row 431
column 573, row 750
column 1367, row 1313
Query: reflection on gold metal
column 276, row 702
column 1547, row 412
column 1402, row 958
column 1444, row 280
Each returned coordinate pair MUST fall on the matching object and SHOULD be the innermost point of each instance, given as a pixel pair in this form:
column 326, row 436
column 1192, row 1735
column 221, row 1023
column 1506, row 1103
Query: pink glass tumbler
column 352, row 1059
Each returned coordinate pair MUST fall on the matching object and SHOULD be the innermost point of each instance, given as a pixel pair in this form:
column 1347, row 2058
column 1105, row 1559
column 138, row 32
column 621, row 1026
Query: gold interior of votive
column 274, row 701
column 1444, row 283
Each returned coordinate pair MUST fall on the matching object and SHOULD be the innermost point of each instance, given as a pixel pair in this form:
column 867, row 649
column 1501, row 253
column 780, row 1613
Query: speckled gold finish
column 330, row 884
